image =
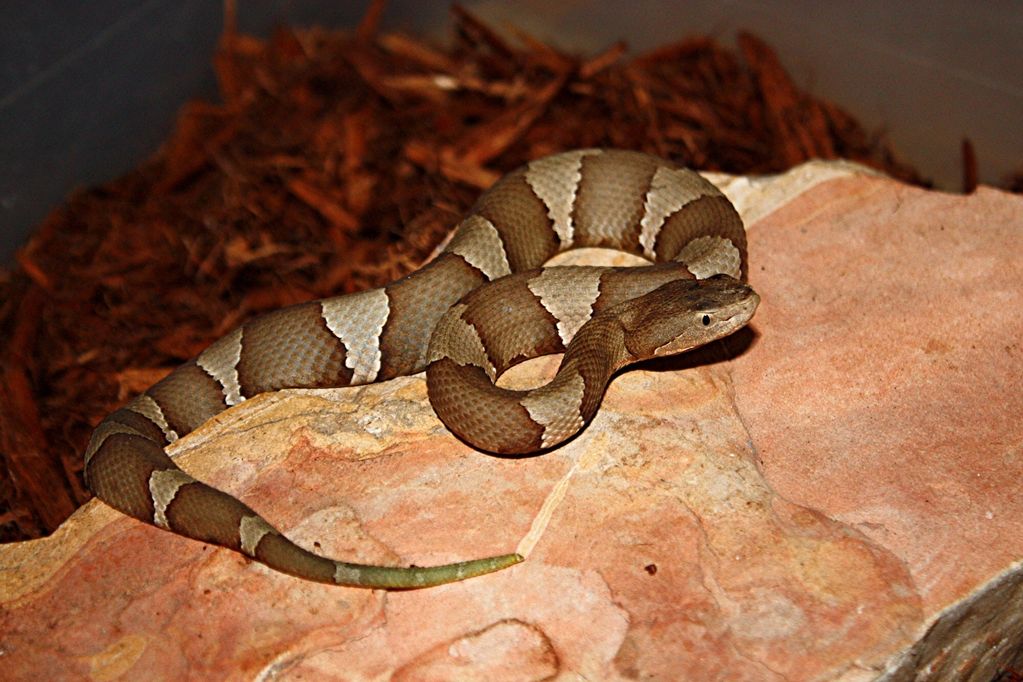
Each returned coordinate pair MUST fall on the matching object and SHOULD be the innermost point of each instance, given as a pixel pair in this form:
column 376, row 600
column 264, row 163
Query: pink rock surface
column 885, row 389
column 841, row 501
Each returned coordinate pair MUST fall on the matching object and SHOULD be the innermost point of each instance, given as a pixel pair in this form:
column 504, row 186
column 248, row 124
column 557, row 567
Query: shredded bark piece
column 970, row 179
column 337, row 162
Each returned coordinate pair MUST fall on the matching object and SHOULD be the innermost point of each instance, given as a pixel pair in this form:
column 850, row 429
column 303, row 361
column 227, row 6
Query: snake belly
column 487, row 304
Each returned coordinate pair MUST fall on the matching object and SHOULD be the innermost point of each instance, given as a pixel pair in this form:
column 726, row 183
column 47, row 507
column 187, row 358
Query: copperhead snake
column 443, row 319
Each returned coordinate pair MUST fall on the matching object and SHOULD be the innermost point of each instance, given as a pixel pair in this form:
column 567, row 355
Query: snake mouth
column 745, row 309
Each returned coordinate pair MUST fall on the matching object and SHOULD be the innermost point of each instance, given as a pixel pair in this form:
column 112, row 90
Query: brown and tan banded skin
column 601, row 318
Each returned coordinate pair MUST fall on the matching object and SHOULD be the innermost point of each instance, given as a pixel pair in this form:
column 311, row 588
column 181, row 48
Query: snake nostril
column 706, row 320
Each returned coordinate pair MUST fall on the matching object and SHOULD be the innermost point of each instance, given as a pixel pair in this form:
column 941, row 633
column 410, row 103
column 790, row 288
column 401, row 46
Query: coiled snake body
column 440, row 318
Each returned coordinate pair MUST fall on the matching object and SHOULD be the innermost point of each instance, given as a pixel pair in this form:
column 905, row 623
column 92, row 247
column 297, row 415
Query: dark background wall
column 88, row 89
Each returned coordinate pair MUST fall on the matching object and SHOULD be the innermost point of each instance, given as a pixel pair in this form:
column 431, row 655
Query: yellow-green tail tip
column 416, row 577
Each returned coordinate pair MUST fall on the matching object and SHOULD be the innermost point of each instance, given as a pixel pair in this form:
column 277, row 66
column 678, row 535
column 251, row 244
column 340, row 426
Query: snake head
column 684, row 314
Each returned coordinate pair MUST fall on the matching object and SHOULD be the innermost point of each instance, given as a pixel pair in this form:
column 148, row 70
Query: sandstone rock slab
column 832, row 495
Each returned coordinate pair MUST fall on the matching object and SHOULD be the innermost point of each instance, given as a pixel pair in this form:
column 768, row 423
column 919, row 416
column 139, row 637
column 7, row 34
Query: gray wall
column 88, row 89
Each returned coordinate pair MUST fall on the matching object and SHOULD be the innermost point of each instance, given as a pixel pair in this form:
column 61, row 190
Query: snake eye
column 706, row 320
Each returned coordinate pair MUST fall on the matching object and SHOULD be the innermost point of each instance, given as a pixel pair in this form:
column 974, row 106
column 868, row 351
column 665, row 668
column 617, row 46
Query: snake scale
column 483, row 305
